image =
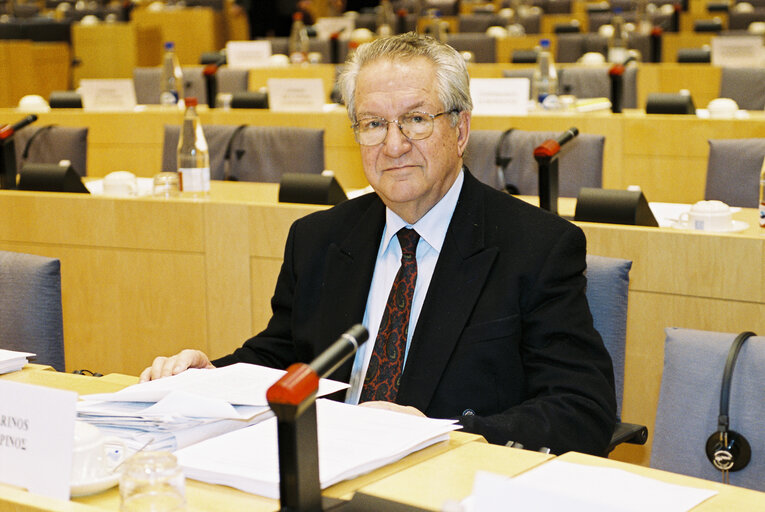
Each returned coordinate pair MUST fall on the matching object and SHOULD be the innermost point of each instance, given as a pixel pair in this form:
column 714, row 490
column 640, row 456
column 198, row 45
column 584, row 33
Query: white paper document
column 557, row 485
column 238, row 384
column 353, row 440
column 11, row 360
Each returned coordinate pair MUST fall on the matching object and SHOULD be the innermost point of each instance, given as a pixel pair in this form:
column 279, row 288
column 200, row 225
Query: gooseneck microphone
column 568, row 135
column 8, row 130
column 346, row 345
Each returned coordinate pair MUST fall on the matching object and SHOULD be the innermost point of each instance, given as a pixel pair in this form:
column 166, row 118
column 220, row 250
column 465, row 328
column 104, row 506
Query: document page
column 557, row 485
column 352, row 440
column 238, row 384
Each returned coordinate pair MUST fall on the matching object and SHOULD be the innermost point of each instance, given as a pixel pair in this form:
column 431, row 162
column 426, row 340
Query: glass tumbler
column 166, row 184
column 152, row 482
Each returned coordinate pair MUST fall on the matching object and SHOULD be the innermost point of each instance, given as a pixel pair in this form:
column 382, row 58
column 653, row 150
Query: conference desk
column 146, row 277
column 664, row 154
column 428, row 478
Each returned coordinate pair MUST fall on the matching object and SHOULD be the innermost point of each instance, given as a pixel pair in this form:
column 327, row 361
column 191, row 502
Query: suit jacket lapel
column 347, row 277
column 459, row 276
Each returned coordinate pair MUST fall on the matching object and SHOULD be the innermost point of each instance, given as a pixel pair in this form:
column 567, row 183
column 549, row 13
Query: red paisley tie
column 384, row 371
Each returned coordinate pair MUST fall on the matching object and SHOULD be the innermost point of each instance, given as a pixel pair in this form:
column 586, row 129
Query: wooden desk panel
column 32, row 68
column 450, row 475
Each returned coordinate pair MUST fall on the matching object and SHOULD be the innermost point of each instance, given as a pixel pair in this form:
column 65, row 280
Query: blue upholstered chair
column 255, row 153
column 31, row 318
column 689, row 404
column 746, row 86
column 49, row 144
column 580, row 164
column 607, row 290
column 733, row 171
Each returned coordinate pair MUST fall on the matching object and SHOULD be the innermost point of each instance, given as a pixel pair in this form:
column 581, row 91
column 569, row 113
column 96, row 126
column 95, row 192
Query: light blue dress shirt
column 432, row 230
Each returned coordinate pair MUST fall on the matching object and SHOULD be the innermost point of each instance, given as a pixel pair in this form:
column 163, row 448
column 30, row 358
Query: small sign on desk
column 296, row 94
column 248, row 54
column 107, row 94
column 500, row 96
column 737, row 51
column 37, row 438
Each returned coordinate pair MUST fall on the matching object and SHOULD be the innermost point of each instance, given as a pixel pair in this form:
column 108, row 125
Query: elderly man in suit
column 474, row 300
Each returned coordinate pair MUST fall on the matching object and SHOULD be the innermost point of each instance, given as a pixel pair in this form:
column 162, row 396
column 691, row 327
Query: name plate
column 737, row 51
column 37, row 438
column 107, row 94
column 295, row 94
column 248, row 54
column 500, row 96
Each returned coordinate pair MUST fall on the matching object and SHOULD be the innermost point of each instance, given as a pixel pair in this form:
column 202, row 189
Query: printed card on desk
column 737, row 51
column 500, row 96
column 296, row 94
column 116, row 94
column 247, row 54
column 36, row 438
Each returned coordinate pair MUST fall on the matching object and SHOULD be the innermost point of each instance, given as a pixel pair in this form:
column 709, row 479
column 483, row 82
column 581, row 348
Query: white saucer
column 736, row 225
column 94, row 486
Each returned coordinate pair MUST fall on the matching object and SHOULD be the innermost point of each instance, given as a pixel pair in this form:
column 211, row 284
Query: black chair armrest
column 628, row 433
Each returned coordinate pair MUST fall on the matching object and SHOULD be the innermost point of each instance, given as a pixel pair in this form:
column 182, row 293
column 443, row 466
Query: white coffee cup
column 120, row 183
column 95, row 455
column 707, row 216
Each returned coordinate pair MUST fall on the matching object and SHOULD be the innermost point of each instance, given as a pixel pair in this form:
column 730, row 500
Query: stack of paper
column 177, row 411
column 352, row 440
column 11, row 361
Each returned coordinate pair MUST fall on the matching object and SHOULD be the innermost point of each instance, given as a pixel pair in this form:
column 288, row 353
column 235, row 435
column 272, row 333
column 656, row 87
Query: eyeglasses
column 371, row 131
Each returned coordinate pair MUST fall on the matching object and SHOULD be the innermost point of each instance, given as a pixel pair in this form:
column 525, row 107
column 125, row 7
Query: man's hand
column 390, row 406
column 167, row 366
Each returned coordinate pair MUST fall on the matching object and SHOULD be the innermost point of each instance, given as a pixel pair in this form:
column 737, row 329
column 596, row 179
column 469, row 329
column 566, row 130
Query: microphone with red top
column 9, row 129
column 546, row 155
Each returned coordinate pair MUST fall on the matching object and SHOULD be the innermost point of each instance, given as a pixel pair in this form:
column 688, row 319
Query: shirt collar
column 433, row 225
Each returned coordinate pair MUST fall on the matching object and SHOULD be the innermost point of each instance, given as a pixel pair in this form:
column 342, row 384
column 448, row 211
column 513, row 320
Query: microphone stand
column 546, row 155
column 293, row 400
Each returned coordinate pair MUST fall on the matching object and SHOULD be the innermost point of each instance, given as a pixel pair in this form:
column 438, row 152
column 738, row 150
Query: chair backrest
column 484, row 47
column 608, row 281
column 733, row 171
column 147, row 84
column 741, row 20
column 230, row 80
column 595, row 82
column 480, row 22
column 50, row 144
column 256, row 153
column 31, row 318
column 580, row 162
column 746, row 86
column 689, row 404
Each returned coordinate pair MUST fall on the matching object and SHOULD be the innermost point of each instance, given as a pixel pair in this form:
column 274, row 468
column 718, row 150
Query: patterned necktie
column 384, row 372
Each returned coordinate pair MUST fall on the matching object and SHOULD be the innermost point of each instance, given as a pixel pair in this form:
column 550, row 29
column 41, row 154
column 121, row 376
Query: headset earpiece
column 728, row 451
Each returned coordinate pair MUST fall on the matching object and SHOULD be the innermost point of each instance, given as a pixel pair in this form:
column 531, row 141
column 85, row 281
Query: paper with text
column 36, row 438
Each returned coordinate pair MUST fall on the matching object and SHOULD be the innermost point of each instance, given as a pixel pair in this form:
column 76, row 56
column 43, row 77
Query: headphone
column 726, row 449
column 227, row 154
column 502, row 162
column 30, row 140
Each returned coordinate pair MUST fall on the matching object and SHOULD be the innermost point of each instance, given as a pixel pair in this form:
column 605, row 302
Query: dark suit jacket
column 504, row 341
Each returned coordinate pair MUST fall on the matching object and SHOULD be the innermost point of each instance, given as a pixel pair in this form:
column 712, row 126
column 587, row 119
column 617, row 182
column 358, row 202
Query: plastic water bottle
column 172, row 77
column 193, row 154
column 298, row 42
column 545, row 79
